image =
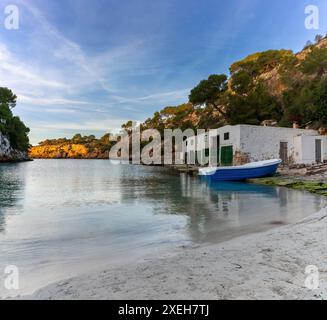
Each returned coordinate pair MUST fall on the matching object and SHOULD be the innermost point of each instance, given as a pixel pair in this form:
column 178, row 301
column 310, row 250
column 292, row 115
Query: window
column 226, row 136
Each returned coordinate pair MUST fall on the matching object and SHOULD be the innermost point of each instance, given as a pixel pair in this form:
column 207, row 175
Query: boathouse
column 239, row 144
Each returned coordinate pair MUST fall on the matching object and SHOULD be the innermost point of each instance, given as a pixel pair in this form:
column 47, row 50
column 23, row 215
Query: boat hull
column 240, row 174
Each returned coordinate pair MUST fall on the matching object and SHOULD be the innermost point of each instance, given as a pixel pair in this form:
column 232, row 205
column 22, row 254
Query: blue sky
column 88, row 66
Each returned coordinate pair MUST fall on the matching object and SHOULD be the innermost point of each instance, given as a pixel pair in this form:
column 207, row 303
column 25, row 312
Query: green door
column 226, row 156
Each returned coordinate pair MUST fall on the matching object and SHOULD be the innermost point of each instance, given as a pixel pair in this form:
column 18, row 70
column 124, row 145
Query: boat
column 250, row 170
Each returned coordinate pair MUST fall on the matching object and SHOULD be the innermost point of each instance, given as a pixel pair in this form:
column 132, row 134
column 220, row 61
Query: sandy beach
column 268, row 265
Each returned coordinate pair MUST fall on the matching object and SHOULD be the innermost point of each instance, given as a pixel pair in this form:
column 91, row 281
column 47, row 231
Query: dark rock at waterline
column 9, row 154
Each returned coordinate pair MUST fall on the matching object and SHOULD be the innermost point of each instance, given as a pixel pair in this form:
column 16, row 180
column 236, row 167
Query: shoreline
column 313, row 184
column 266, row 265
column 15, row 160
column 259, row 265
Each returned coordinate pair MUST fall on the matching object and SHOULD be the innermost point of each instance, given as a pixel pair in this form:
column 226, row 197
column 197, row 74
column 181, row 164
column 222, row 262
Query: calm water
column 59, row 218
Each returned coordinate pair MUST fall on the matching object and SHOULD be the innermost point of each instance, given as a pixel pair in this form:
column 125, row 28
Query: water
column 60, row 218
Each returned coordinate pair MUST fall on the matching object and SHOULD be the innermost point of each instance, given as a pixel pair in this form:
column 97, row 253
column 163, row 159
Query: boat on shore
column 251, row 170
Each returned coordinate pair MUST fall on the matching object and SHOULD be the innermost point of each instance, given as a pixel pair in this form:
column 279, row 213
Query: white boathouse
column 239, row 144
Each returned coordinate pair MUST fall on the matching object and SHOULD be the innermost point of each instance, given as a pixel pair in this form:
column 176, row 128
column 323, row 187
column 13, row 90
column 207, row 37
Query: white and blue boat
column 251, row 170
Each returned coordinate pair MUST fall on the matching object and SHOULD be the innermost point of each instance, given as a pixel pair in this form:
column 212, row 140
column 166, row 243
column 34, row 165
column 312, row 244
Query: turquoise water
column 60, row 218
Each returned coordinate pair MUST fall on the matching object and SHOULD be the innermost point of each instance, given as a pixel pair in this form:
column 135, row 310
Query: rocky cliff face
column 272, row 79
column 8, row 154
column 67, row 151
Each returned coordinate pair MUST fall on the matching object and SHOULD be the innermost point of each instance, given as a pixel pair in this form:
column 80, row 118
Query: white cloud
column 18, row 74
column 97, row 125
column 49, row 101
column 178, row 94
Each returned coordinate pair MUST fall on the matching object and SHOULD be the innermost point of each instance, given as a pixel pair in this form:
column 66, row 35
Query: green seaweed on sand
column 293, row 183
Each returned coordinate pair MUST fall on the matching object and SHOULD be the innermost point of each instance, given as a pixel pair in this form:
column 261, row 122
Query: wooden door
column 226, row 156
column 318, row 151
column 283, row 152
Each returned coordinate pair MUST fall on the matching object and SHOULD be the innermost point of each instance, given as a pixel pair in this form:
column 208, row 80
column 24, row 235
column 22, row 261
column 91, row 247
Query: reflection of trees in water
column 238, row 207
column 216, row 208
column 207, row 206
column 170, row 194
column 10, row 186
column 223, row 206
column 211, row 209
column 288, row 199
column 215, row 204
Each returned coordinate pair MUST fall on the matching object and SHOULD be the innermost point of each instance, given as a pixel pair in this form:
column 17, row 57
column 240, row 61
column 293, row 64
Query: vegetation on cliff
column 271, row 85
column 10, row 125
column 78, row 147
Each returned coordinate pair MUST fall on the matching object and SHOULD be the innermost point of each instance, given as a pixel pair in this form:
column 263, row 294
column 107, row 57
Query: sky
column 80, row 66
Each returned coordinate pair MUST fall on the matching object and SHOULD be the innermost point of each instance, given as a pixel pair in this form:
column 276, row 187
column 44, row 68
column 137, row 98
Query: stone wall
column 263, row 143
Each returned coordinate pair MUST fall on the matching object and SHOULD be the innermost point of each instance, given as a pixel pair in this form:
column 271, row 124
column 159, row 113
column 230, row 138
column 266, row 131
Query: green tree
column 289, row 71
column 105, row 139
column 105, row 143
column 253, row 108
column 128, row 126
column 209, row 92
column 315, row 62
column 308, row 45
column 306, row 103
column 260, row 62
column 18, row 134
column 77, row 138
column 242, row 82
column 318, row 38
column 10, row 125
column 172, row 117
column 7, row 97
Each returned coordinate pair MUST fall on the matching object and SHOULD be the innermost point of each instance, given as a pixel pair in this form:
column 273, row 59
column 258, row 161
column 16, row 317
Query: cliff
column 273, row 79
column 78, row 147
column 9, row 154
column 68, row 151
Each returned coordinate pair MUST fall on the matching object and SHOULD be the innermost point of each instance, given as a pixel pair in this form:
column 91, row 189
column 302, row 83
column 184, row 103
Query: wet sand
column 268, row 265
